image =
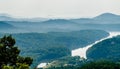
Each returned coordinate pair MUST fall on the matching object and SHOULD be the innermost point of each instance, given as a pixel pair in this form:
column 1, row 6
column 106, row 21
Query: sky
column 59, row 8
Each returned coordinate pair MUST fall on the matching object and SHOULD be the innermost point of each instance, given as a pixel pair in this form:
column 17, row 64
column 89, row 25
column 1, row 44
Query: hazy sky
column 59, row 8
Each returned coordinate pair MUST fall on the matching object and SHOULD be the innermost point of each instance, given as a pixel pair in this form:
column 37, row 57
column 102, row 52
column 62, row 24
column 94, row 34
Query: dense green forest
column 101, row 64
column 67, row 61
column 85, row 64
column 107, row 49
column 45, row 47
column 103, row 55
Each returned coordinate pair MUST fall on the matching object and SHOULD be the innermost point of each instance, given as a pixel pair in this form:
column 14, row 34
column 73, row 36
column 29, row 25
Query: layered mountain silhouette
column 4, row 25
column 58, row 21
column 105, row 18
column 6, row 17
column 106, row 21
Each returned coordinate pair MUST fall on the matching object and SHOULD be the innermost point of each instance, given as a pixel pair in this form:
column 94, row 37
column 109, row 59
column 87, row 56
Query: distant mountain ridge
column 107, row 15
column 106, row 21
column 5, row 17
column 58, row 21
column 105, row 18
column 4, row 25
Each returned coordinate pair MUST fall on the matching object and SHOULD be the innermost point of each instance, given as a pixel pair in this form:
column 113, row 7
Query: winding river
column 82, row 51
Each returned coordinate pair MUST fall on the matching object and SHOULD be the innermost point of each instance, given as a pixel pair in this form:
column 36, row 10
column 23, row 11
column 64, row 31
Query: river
column 82, row 51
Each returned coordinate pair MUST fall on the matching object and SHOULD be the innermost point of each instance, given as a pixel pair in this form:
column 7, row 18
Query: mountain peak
column 107, row 16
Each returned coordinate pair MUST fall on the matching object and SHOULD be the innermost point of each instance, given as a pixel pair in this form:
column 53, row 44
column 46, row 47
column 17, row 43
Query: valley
column 60, row 41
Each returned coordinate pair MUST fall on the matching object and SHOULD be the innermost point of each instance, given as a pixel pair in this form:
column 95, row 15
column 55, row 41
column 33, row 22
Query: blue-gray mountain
column 106, row 21
column 4, row 25
column 106, row 18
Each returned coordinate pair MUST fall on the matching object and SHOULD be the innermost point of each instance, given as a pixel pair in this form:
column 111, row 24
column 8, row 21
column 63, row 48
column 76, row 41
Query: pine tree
column 9, row 54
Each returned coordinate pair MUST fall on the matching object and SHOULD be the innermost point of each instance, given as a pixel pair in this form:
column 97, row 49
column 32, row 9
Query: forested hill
column 53, row 45
column 72, row 40
column 107, row 49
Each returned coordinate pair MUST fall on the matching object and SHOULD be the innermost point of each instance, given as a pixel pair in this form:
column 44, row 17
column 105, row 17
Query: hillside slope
column 53, row 45
column 107, row 49
column 105, row 18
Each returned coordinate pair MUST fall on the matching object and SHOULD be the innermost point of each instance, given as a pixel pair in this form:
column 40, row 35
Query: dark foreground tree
column 9, row 55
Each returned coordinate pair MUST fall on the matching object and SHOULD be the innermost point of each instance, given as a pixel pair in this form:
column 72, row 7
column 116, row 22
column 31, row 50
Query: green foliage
column 101, row 65
column 44, row 47
column 67, row 62
column 64, row 67
column 9, row 54
column 55, row 52
column 18, row 66
column 71, row 40
column 26, row 60
column 22, row 66
column 7, row 67
column 107, row 49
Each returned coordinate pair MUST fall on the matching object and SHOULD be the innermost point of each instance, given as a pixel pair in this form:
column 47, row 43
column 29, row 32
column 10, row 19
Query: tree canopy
column 9, row 55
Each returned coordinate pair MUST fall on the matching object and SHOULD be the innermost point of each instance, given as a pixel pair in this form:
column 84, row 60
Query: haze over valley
column 40, row 37
column 59, row 34
column 105, row 21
